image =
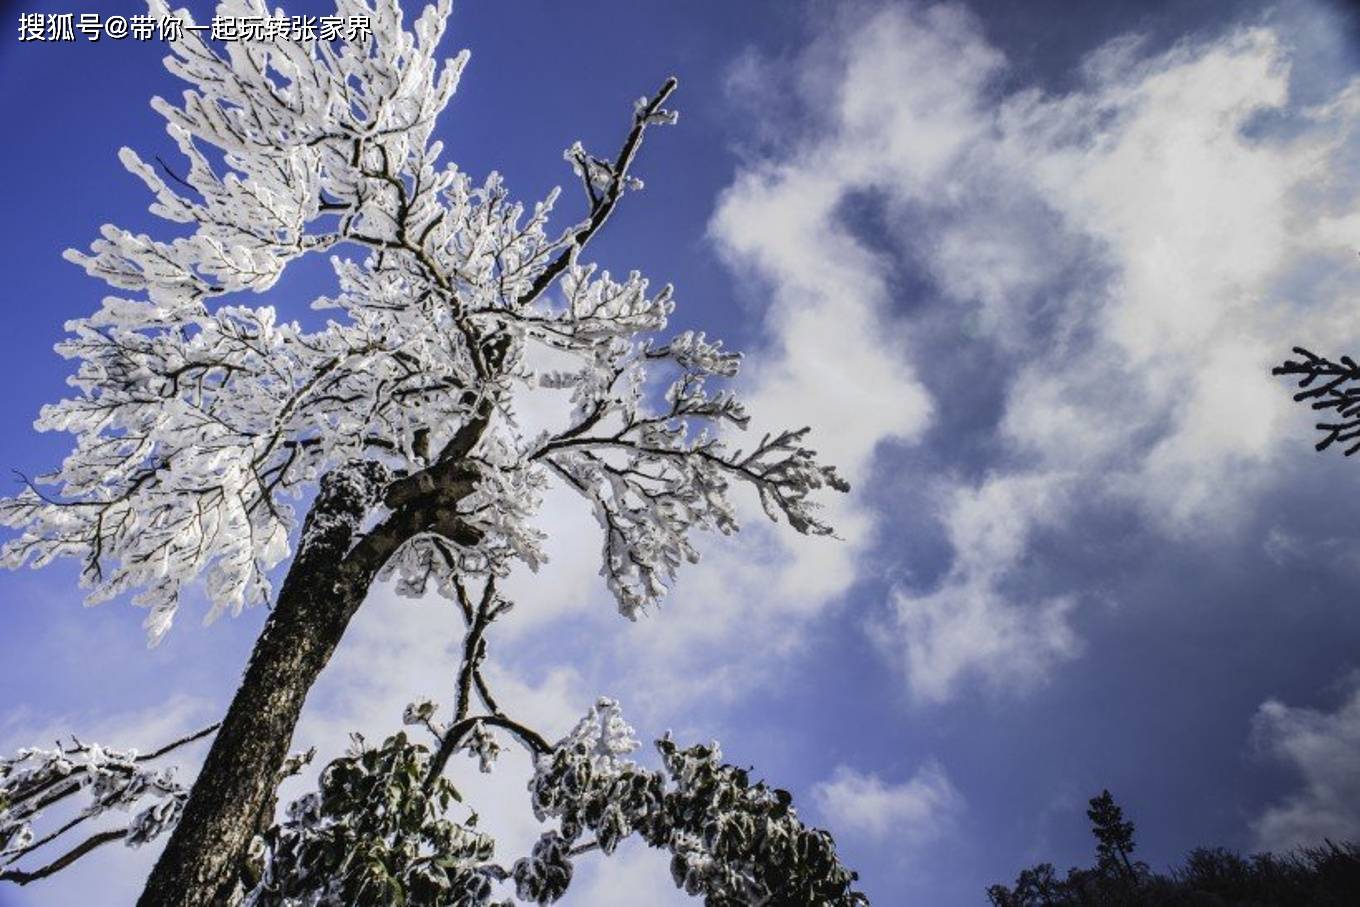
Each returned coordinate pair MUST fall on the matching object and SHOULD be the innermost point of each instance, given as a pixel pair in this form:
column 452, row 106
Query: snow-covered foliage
column 36, row 781
column 377, row 831
column 376, row 834
column 199, row 415
column 732, row 842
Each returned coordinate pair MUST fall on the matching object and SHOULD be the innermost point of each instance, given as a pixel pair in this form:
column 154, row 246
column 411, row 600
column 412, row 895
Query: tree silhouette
column 1113, row 834
column 1327, row 876
column 1328, row 385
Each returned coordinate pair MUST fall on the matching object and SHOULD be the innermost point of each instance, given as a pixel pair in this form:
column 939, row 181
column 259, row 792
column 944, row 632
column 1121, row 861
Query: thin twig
column 19, row 877
column 183, row 741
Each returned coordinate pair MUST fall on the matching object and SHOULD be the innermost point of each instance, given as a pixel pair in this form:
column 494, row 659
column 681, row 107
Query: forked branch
column 1332, row 386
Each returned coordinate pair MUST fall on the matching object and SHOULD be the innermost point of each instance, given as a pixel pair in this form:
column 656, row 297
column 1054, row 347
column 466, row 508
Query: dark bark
column 324, row 587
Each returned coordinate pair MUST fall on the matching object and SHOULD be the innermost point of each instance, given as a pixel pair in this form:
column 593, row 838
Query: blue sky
column 1023, row 267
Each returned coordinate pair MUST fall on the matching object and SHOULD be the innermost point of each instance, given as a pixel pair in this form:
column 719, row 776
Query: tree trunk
column 326, row 584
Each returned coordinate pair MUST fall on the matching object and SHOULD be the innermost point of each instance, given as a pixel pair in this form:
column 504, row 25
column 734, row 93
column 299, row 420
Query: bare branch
column 183, row 741
column 19, row 877
column 1338, row 390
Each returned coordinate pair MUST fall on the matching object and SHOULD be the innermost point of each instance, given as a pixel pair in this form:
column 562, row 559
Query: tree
column 1308, row 877
column 1114, row 836
column 1115, row 880
column 197, row 419
column 379, row 831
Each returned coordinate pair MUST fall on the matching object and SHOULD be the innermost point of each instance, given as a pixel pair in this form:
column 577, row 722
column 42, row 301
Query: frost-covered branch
column 659, row 485
column 605, row 183
column 35, row 780
column 378, row 830
column 20, row 877
column 731, row 841
column 195, row 426
column 200, row 414
column 467, row 731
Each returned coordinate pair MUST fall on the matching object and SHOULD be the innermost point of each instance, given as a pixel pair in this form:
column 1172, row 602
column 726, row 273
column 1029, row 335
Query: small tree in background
column 1114, row 836
column 1326, row 876
column 199, row 419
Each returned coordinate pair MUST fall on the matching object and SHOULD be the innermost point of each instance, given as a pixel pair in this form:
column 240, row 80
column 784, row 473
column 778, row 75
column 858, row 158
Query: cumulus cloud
column 911, row 813
column 1123, row 258
column 1324, row 749
column 970, row 624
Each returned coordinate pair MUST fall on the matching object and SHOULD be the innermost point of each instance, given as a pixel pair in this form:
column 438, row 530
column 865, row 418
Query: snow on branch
column 35, row 780
column 378, row 829
column 200, row 414
column 731, row 841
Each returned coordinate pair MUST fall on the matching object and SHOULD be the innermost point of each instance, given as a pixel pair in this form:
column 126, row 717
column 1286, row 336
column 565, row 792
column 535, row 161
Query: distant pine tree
column 1114, row 834
column 1327, row 876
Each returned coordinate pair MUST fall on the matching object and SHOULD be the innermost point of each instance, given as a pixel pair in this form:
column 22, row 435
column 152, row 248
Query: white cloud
column 142, row 729
column 1324, row 748
column 623, row 878
column 912, row 813
column 1128, row 254
column 969, row 624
